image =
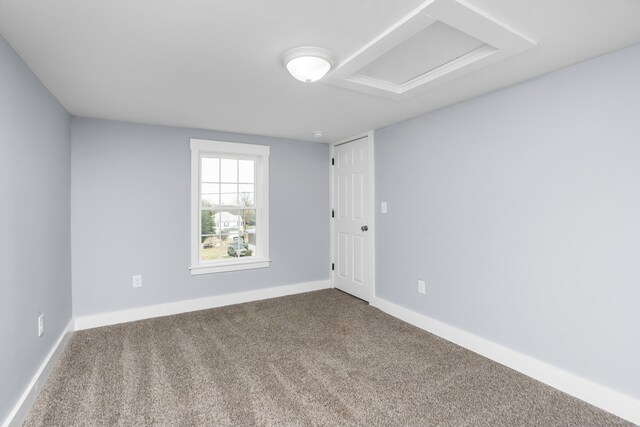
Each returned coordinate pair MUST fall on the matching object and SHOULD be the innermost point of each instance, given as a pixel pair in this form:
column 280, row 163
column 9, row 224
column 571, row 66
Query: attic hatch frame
column 500, row 41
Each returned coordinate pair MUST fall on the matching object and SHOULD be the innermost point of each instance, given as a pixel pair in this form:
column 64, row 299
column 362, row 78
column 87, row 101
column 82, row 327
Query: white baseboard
column 21, row 409
column 139, row 313
column 603, row 397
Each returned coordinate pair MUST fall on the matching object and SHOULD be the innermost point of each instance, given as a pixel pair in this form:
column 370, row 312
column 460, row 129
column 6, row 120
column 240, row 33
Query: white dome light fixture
column 308, row 64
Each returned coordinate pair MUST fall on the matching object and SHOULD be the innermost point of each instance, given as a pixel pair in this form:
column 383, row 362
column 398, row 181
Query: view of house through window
column 227, row 208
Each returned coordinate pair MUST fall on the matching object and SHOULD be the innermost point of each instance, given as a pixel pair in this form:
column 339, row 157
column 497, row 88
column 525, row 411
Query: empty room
column 297, row 213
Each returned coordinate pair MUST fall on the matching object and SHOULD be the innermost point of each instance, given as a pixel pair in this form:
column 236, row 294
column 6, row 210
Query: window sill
column 220, row 267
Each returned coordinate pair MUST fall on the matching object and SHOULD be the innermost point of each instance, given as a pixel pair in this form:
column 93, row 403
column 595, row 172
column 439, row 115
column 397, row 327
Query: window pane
column 210, row 200
column 210, row 169
column 210, row 188
column 224, row 234
column 227, row 199
column 246, row 171
column 229, row 194
column 229, row 170
column 246, row 188
column 210, row 195
column 247, row 197
column 229, row 188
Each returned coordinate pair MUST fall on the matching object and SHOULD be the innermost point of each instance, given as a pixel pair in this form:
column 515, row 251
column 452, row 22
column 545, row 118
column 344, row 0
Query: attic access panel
column 438, row 42
column 431, row 48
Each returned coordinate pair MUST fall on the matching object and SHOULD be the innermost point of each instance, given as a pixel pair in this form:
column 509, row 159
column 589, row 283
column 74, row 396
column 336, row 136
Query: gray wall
column 521, row 210
column 131, row 208
column 35, row 253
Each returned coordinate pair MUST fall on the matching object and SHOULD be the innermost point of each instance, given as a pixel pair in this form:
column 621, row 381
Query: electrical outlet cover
column 137, row 281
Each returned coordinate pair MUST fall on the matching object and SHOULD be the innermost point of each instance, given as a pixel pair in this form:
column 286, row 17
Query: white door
column 352, row 237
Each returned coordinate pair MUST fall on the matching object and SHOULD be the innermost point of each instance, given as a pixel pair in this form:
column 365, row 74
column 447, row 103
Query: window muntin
column 229, row 206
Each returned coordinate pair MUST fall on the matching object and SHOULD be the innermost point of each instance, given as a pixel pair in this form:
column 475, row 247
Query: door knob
column 364, row 228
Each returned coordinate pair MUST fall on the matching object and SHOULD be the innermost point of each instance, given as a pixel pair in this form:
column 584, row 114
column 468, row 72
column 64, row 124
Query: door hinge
column 333, row 213
column 333, row 266
column 333, row 161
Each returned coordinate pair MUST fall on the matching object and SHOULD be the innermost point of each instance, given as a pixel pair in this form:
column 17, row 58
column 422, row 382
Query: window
column 229, row 206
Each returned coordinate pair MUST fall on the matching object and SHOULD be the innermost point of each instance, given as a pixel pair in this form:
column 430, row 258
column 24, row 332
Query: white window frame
column 203, row 147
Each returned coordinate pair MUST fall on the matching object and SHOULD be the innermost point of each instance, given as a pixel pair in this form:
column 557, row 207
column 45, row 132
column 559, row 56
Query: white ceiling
column 215, row 64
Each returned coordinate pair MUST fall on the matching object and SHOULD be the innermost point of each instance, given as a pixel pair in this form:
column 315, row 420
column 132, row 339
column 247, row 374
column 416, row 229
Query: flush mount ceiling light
column 308, row 64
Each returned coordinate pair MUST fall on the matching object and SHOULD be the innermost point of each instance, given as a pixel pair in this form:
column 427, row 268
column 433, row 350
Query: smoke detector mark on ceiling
column 436, row 43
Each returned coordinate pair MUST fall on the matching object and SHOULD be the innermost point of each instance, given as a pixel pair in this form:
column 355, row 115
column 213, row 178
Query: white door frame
column 371, row 208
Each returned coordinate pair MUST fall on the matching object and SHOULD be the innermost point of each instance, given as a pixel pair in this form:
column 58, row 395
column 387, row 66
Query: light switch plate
column 422, row 287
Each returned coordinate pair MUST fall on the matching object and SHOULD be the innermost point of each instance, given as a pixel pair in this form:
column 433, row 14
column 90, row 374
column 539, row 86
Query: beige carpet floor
column 321, row 358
